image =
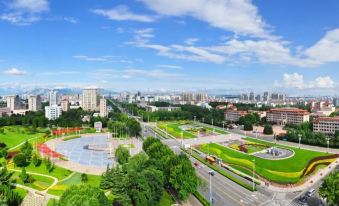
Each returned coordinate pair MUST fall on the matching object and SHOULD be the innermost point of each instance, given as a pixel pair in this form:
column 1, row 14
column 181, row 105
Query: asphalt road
column 224, row 191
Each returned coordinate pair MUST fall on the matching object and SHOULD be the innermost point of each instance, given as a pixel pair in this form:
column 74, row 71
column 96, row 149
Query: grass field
column 282, row 171
column 14, row 135
column 40, row 182
column 75, row 179
column 173, row 128
column 166, row 199
column 59, row 172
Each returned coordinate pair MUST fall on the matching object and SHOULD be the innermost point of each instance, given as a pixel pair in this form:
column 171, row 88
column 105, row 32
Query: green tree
column 248, row 126
column 20, row 160
column 27, row 149
column 182, row 176
column 83, row 195
column 24, row 176
column 122, row 154
column 268, row 129
column 84, row 177
column 330, row 189
column 36, row 161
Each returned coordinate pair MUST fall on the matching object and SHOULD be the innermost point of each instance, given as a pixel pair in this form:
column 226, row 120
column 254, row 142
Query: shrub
column 248, row 126
column 268, row 129
column 20, row 160
column 84, row 177
column 36, row 161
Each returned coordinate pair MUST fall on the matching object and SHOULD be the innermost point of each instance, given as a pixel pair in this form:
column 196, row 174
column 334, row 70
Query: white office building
column 13, row 102
column 53, row 112
column 53, row 98
column 103, row 107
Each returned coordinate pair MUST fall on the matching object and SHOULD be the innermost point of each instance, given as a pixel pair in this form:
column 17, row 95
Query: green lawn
column 15, row 135
column 174, row 129
column 75, row 179
column 59, row 172
column 283, row 171
column 22, row 192
column 40, row 182
column 166, row 199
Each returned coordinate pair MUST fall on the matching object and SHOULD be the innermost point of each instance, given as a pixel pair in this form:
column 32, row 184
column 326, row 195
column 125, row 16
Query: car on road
column 196, row 164
column 310, row 192
column 303, row 199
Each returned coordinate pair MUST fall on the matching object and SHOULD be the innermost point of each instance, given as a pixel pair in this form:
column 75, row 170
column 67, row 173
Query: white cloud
column 15, row 72
column 97, row 59
column 296, row 80
column 238, row 16
column 169, row 66
column 122, row 13
column 24, row 12
column 71, row 20
column 326, row 49
column 322, row 82
column 191, row 41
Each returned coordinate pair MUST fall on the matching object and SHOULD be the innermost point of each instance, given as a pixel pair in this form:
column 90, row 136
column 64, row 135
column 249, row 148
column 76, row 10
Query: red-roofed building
column 326, row 125
column 283, row 116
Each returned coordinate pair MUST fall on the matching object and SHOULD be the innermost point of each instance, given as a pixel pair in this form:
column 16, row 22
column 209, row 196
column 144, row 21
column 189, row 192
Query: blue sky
column 234, row 45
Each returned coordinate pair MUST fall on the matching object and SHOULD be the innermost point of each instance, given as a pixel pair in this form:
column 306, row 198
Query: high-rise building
column 65, row 105
column 103, row 107
column 336, row 101
column 266, row 96
column 251, row 98
column 53, row 97
column 34, row 103
column 13, row 102
column 90, row 99
column 53, row 112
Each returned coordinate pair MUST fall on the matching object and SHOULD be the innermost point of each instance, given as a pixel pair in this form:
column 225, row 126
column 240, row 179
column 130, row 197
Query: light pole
column 223, row 126
column 182, row 139
column 213, row 126
column 275, row 138
column 194, row 119
column 256, row 133
column 328, row 144
column 299, row 135
column 253, row 185
column 211, row 174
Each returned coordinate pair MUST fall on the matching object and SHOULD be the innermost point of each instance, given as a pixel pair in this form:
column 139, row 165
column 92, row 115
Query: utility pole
column 299, row 135
column 253, row 185
column 211, row 174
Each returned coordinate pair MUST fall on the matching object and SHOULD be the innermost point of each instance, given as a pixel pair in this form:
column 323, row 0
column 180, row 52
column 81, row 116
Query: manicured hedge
column 201, row 198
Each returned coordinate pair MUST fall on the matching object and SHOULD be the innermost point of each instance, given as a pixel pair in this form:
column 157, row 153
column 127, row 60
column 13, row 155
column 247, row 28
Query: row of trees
column 140, row 180
column 309, row 137
column 35, row 119
column 121, row 124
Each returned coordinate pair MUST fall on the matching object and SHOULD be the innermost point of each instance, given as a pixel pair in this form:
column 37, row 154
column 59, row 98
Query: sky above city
column 231, row 45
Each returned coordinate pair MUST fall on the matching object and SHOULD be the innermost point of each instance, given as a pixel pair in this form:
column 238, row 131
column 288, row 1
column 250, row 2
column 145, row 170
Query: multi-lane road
column 227, row 193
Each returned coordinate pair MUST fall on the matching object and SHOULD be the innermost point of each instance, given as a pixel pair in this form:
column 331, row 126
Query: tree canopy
column 330, row 189
column 83, row 195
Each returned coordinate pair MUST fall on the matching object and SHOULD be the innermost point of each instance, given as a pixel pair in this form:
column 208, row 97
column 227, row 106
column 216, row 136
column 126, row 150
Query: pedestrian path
column 33, row 199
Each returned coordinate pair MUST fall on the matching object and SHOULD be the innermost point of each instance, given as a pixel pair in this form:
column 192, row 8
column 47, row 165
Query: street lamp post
column 299, row 135
column 328, row 144
column 253, row 185
column 223, row 126
column 211, row 174
column 182, row 139
column 194, row 119
column 256, row 133
column 213, row 126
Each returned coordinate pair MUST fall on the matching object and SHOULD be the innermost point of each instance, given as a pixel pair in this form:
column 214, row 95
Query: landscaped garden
column 188, row 129
column 14, row 135
column 289, row 170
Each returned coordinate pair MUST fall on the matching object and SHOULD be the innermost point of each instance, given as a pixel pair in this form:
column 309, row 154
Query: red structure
column 46, row 151
column 66, row 130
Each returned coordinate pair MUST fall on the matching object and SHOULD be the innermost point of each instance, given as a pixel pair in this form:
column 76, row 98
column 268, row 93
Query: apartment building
column 283, row 116
column 90, row 99
column 34, row 103
column 234, row 115
column 13, row 102
column 53, row 112
column 326, row 125
column 103, row 107
column 65, row 105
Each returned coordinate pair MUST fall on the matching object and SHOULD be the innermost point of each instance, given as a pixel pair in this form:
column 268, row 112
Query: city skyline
column 240, row 46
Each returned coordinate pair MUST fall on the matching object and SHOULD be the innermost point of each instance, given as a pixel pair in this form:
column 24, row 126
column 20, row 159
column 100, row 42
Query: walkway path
column 55, row 180
column 16, row 146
